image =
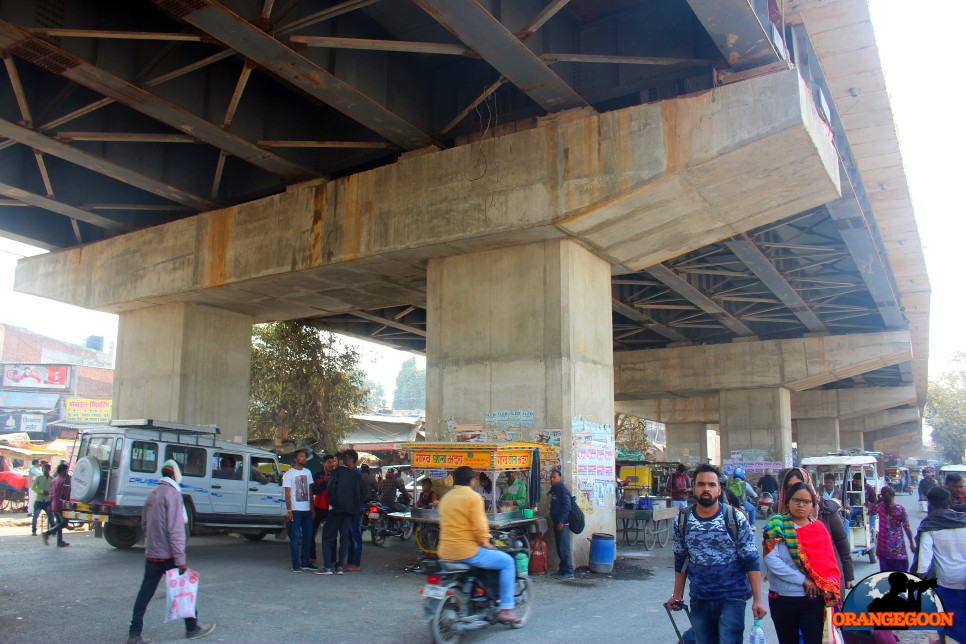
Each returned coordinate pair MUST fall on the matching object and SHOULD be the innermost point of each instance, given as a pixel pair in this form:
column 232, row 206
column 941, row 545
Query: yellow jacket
column 462, row 524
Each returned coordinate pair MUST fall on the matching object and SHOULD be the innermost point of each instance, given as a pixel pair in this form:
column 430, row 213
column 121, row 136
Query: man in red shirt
column 679, row 487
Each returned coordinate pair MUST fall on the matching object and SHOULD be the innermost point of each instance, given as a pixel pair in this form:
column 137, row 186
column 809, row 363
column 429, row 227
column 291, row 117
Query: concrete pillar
column 686, row 442
column 527, row 327
column 817, row 436
column 849, row 440
column 757, row 419
column 184, row 363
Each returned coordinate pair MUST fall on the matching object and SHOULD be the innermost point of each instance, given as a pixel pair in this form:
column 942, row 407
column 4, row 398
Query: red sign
column 36, row 376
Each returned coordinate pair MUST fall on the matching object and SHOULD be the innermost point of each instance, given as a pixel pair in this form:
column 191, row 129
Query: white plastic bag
column 182, row 594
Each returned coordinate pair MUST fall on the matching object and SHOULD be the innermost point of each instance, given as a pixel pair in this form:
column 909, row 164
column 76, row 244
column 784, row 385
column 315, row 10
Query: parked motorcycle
column 459, row 598
column 766, row 505
column 381, row 525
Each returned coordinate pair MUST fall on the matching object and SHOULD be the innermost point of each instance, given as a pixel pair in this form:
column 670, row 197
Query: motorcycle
column 381, row 525
column 766, row 504
column 459, row 598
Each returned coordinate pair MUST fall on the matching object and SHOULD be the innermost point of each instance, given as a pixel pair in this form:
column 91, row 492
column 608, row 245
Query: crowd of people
column 805, row 554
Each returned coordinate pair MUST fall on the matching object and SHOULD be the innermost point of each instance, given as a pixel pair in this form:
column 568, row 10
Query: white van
column 226, row 486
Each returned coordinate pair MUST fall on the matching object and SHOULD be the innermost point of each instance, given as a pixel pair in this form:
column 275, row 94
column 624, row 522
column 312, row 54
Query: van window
column 191, row 460
column 118, row 450
column 100, row 448
column 144, row 457
column 264, row 470
column 227, row 466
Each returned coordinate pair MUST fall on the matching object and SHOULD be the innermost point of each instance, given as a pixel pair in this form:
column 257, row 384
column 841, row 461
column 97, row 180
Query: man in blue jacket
column 560, row 518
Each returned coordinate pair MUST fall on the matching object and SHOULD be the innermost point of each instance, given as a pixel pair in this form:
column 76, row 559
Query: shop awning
column 26, row 401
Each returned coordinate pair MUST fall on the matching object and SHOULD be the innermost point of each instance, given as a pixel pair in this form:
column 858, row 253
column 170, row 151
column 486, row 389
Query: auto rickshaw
column 899, row 479
column 861, row 527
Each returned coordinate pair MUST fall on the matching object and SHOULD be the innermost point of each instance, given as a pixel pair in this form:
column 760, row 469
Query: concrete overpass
column 561, row 203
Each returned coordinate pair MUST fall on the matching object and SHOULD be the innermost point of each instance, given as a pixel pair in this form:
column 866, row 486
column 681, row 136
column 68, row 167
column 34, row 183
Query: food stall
column 13, row 481
column 496, row 460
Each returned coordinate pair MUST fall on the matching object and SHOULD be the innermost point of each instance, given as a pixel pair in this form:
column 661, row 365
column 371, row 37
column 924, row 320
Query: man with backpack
column 714, row 550
column 560, row 505
column 743, row 490
column 679, row 487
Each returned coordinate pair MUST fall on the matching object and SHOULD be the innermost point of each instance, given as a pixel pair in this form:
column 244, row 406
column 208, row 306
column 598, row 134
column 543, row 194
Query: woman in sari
column 890, row 547
column 803, row 575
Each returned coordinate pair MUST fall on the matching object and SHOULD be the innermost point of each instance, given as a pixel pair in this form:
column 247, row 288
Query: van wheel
column 120, row 536
column 255, row 536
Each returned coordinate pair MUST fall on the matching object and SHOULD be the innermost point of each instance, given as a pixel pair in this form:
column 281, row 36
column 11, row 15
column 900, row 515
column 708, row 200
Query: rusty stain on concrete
column 218, row 239
column 320, row 195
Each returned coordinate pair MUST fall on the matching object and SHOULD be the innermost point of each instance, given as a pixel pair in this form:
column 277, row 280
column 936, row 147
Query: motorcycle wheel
column 377, row 535
column 524, row 601
column 442, row 625
column 406, row 528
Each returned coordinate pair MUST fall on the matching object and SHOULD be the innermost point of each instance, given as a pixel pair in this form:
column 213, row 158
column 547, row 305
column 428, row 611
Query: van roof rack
column 181, row 428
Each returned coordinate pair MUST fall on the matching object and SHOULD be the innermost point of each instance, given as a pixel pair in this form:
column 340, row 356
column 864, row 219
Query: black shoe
column 296, row 569
column 202, row 631
column 310, row 568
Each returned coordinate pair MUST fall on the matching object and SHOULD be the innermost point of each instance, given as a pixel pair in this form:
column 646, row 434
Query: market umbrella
column 365, row 458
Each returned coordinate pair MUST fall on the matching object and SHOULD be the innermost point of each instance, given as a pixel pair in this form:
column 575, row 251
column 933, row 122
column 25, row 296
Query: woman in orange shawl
column 803, row 574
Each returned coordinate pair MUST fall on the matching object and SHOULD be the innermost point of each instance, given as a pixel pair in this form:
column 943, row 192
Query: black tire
column 523, row 600
column 376, row 534
column 255, row 536
column 872, row 558
column 632, row 532
column 406, row 528
column 440, row 626
column 120, row 536
column 650, row 534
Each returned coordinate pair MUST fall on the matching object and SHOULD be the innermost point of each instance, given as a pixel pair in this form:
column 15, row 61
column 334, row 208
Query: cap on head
column 171, row 470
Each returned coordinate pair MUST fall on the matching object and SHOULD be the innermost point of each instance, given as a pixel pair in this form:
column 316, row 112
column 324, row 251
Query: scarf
column 810, row 547
column 938, row 519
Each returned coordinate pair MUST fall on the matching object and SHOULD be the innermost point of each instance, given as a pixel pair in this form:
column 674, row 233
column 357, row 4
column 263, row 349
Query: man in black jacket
column 560, row 519
column 346, row 492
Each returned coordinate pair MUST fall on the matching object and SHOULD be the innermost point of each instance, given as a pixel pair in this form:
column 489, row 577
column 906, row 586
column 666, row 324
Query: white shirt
column 947, row 548
column 300, row 482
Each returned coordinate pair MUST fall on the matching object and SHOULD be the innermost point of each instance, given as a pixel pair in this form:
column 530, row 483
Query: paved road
column 85, row 593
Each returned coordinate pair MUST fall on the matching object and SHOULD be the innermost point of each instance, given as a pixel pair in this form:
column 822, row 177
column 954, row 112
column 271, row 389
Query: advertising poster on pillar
column 35, row 376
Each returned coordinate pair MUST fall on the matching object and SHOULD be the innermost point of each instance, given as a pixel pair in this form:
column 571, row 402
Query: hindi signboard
column 88, row 411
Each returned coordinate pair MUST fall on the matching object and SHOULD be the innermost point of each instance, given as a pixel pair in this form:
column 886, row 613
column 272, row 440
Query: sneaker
column 323, row 571
column 340, row 571
column 565, row 577
column 310, row 567
column 351, row 568
column 137, row 639
column 296, row 569
column 45, row 537
column 62, row 544
column 203, row 630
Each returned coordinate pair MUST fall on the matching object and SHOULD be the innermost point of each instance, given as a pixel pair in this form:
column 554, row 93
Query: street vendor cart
column 509, row 514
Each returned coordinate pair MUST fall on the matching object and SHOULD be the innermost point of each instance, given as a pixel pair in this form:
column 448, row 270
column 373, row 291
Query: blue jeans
column 498, row 560
column 40, row 506
column 752, row 512
column 562, row 539
column 680, row 505
column 719, row 621
column 355, row 540
column 300, row 537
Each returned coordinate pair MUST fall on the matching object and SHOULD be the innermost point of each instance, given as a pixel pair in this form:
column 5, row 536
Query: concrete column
column 527, row 327
column 852, row 439
column 817, row 436
column 687, row 442
column 757, row 419
column 184, row 363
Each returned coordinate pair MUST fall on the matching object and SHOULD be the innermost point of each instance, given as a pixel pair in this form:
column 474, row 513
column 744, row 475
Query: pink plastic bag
column 182, row 594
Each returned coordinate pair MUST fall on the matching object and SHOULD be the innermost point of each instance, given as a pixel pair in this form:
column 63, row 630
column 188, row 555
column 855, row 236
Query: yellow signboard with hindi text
column 88, row 411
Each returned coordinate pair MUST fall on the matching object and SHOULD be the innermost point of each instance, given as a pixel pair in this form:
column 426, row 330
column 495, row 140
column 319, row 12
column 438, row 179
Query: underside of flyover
column 477, row 180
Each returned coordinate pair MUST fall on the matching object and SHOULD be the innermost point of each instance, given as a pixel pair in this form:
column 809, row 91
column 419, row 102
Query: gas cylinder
column 538, row 556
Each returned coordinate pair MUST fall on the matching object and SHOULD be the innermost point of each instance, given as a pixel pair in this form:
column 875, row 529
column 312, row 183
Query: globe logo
column 893, row 601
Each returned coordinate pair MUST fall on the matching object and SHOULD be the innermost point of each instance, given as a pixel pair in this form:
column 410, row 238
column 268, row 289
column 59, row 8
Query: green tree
column 630, row 432
column 410, row 387
column 375, row 396
column 946, row 411
column 304, row 385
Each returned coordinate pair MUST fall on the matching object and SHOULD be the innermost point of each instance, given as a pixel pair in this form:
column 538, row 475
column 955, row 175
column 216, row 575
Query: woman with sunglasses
column 828, row 513
column 802, row 574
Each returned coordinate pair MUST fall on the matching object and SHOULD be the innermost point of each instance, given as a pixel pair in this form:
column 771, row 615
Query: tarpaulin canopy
column 26, row 401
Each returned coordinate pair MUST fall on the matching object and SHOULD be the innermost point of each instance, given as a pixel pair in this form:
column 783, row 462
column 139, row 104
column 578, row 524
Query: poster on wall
column 33, row 423
column 35, row 376
column 594, row 465
column 88, row 411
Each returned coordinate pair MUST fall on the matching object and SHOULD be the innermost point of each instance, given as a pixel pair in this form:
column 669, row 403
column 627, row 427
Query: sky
column 919, row 64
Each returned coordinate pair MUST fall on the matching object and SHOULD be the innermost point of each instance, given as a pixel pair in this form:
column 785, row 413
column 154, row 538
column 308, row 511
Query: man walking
column 941, row 546
column 32, row 474
column 40, row 491
column 354, row 562
column 320, row 501
column 679, row 487
column 927, row 483
column 560, row 520
column 714, row 550
column 346, row 491
column 163, row 521
column 59, row 487
column 297, row 482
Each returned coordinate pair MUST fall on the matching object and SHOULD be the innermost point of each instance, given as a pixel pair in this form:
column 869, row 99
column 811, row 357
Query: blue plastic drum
column 602, row 552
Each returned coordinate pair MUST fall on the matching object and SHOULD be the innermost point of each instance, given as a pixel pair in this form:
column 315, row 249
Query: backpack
column 731, row 523
column 737, row 487
column 576, row 518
